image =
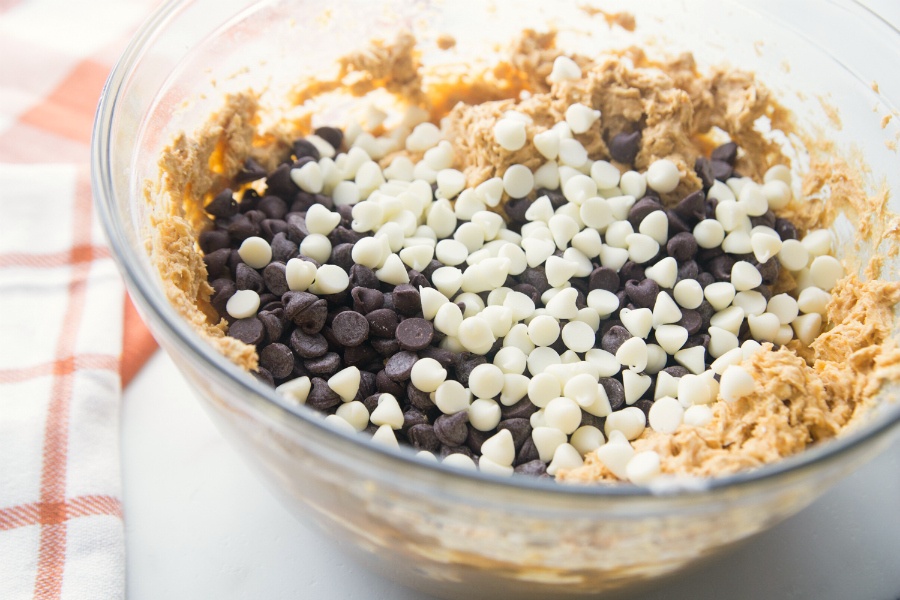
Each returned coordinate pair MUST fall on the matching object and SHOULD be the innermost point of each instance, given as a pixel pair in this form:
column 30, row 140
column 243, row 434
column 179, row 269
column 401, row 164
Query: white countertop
column 199, row 524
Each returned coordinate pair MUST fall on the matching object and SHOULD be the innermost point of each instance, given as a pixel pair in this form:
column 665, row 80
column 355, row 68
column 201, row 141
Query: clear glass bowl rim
column 150, row 300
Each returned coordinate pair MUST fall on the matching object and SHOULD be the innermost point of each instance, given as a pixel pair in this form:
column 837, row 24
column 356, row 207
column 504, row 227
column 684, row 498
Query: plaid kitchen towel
column 63, row 311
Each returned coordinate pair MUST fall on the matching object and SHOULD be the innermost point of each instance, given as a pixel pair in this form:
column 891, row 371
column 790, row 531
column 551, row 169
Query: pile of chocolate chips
column 379, row 328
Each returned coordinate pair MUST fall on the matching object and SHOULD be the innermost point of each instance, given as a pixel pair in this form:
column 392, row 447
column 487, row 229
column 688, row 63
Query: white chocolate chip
column 643, row 467
column 736, row 383
column 243, row 304
column 256, row 252
column 580, row 117
column 564, row 69
column 663, row 176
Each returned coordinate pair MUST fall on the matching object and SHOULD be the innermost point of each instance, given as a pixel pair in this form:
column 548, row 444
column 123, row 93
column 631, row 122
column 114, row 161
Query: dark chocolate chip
column 641, row 209
column 676, row 223
column 341, row 256
column 273, row 207
column 272, row 322
column 407, row 300
column 366, row 384
column 418, row 398
column 223, row 206
column 615, row 392
column 614, row 338
column 703, row 169
column 631, row 270
column 249, row 200
column 624, row 147
column 690, row 320
column 423, row 437
column 279, row 182
column 275, row 278
column 248, row 278
column 303, row 148
column 241, row 228
column 223, row 290
column 251, row 171
column 721, row 170
column 382, row 322
column 446, row 358
column 682, row 246
column 308, row 345
column 361, row 276
column 332, row 135
column 604, row 278
column 451, row 429
column 785, row 229
column 306, row 310
column 399, row 366
column 465, row 364
column 676, row 371
column 720, row 267
column 250, row 331
column 360, row 355
column 532, row 468
column 278, row 359
column 386, row 385
column 769, row 270
column 527, row 453
column 263, row 376
column 213, row 240
column 692, row 208
column 519, row 428
column 727, row 152
column 415, row 334
column 326, row 365
column 366, row 300
column 283, row 249
column 321, row 396
column 644, row 404
column 643, row 294
column 386, row 347
column 350, row 328
column 688, row 270
column 475, row 438
column 413, row 416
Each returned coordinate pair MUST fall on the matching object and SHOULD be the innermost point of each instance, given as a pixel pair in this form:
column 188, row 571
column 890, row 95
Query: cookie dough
column 802, row 395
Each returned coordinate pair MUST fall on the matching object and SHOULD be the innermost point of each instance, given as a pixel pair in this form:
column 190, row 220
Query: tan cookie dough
column 803, row 395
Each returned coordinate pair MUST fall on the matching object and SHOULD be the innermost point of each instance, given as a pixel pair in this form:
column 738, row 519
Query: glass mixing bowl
column 445, row 532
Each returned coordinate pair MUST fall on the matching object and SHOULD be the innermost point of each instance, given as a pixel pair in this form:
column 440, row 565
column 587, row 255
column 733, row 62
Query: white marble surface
column 200, row 525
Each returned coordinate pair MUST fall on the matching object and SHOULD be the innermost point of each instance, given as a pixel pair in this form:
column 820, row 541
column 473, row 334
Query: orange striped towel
column 62, row 307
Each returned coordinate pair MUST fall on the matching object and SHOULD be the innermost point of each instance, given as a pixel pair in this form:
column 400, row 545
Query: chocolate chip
column 407, row 300
column 415, row 334
column 643, row 294
column 350, row 328
column 360, row 355
column 516, row 209
column 399, row 366
column 721, row 170
column 785, row 229
column 631, row 270
column 527, row 453
column 465, row 364
column 413, row 416
column 614, row 338
column 767, row 219
column 279, row 182
column 418, row 398
column 423, row 437
column 241, row 228
column 385, row 346
column 447, row 450
column 644, row 404
column 451, row 429
column 304, row 148
column 676, row 371
column 519, row 428
column 727, row 152
column 250, row 331
column 532, row 468
column 321, row 396
column 705, row 279
column 308, row 345
column 676, row 223
column 248, row 278
column 522, row 409
column 341, row 256
column 282, row 248
column 277, row 359
column 223, row 290
column 366, row 300
column 690, row 320
column 692, row 208
column 223, row 206
column 445, row 358
column 530, row 291
column 251, row 171
column 213, row 240
column 688, row 270
column 386, row 385
column 263, row 376
column 720, row 267
column 273, row 207
column 623, row 147
column 326, row 365
column 615, row 392
column 682, row 246
column 701, row 339
column 769, row 270
column 249, row 200
column 382, row 322
column 366, row 384
column 703, row 169
column 271, row 323
column 332, row 135
column 604, row 278
column 475, row 438
column 641, row 209
column 275, row 278
column 306, row 310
